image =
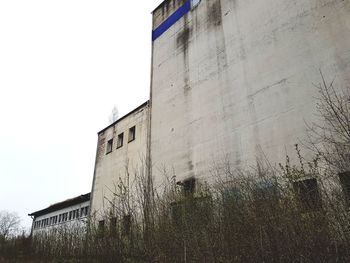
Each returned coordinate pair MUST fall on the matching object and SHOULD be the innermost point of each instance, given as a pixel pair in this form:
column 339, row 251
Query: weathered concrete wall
column 164, row 10
column 234, row 78
column 112, row 168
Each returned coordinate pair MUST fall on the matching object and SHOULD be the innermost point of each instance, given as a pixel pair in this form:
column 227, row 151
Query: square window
column 265, row 192
column 120, row 140
column 265, row 196
column 345, row 184
column 188, row 186
column 194, row 3
column 308, row 195
column 132, row 134
column 109, row 146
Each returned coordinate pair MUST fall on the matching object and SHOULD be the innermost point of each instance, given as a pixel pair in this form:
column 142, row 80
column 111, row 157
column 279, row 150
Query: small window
column 126, row 224
column 265, row 196
column 132, row 134
column 109, row 146
column 113, row 225
column 82, row 211
column 101, row 226
column 70, row 215
column 308, row 194
column 194, row 3
column 345, row 184
column 120, row 140
column 189, row 186
column 86, row 210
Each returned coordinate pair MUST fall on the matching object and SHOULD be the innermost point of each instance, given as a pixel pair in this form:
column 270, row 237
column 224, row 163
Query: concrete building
column 231, row 81
column 234, row 79
column 71, row 212
column 120, row 156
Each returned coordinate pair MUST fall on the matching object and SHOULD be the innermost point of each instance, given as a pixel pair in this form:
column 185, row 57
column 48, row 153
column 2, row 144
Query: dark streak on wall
column 183, row 39
column 214, row 13
column 100, row 147
column 182, row 45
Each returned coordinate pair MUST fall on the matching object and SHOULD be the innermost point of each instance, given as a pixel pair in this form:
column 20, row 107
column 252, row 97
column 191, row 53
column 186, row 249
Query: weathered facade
column 231, row 81
column 69, row 213
column 234, row 79
column 121, row 155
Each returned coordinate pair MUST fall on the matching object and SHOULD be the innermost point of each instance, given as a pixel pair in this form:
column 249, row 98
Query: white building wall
column 233, row 79
column 112, row 168
column 76, row 222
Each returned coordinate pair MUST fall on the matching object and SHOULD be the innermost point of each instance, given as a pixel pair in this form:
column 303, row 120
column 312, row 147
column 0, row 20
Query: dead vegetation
column 291, row 213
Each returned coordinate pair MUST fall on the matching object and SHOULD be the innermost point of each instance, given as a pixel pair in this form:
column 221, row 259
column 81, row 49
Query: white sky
column 63, row 66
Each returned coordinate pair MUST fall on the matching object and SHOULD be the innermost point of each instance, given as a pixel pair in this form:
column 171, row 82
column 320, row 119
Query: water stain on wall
column 214, row 12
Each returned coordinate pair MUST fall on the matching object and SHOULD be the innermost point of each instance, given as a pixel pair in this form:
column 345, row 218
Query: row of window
column 64, row 217
column 120, row 140
column 306, row 190
column 309, row 195
column 125, row 225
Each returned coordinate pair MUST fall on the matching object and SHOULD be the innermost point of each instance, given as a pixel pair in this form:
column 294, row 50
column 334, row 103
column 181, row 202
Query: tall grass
column 245, row 216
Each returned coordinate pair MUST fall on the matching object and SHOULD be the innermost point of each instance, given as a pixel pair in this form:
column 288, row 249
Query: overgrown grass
column 255, row 216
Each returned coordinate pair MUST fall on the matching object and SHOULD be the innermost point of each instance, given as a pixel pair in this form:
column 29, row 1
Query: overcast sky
column 63, row 66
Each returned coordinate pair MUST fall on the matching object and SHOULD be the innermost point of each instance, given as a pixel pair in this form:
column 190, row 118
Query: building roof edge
column 61, row 205
column 123, row 117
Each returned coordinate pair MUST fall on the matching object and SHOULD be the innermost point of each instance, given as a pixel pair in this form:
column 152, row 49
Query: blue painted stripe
column 171, row 20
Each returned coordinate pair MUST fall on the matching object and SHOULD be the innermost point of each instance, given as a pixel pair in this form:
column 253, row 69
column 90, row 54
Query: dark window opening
column 308, row 195
column 120, row 140
column 113, row 225
column 194, row 3
column 109, row 146
column 86, row 210
column 101, row 227
column 126, row 224
column 345, row 184
column 189, row 186
column 265, row 196
column 132, row 134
